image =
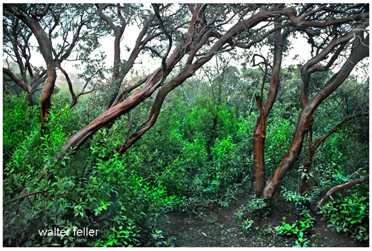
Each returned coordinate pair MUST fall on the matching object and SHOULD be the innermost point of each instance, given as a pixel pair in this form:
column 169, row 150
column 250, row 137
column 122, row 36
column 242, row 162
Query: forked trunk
column 259, row 133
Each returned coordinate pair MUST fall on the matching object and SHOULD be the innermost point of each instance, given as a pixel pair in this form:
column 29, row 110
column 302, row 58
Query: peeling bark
column 191, row 43
column 118, row 31
column 259, row 157
column 202, row 32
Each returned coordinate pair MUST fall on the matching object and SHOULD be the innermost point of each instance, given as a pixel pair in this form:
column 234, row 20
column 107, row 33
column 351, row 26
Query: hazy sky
column 129, row 40
column 300, row 47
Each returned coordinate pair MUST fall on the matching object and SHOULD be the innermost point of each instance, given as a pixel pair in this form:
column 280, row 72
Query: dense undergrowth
column 197, row 155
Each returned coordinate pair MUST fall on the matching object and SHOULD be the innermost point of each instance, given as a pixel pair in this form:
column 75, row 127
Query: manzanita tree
column 59, row 29
column 330, row 38
column 186, row 37
column 31, row 17
column 17, row 47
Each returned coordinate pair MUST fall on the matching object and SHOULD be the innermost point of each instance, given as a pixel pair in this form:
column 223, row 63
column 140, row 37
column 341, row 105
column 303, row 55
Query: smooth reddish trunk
column 292, row 155
column 153, row 82
column 46, row 50
column 259, row 133
column 359, row 51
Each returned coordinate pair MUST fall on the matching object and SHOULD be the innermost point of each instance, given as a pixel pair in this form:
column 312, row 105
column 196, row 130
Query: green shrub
column 349, row 215
column 85, row 191
column 301, row 227
column 18, row 121
column 258, row 207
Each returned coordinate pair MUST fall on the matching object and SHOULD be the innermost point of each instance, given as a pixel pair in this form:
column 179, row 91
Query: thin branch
column 330, row 63
column 164, row 64
column 106, row 19
column 249, row 45
column 127, row 90
column 130, row 127
column 359, row 171
column 335, row 129
column 264, row 78
column 26, row 195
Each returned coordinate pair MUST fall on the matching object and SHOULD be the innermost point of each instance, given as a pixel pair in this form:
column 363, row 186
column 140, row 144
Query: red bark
column 192, row 67
column 259, row 132
column 259, row 160
column 19, row 82
column 46, row 50
column 118, row 31
column 21, row 50
column 141, row 42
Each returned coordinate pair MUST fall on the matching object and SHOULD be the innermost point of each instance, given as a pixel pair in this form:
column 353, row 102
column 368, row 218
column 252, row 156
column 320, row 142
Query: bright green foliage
column 349, row 215
column 301, row 241
column 18, row 120
column 89, row 193
column 134, row 205
column 300, row 228
column 198, row 154
column 332, row 177
column 278, row 140
column 239, row 214
column 291, row 196
column 288, row 229
column 190, row 160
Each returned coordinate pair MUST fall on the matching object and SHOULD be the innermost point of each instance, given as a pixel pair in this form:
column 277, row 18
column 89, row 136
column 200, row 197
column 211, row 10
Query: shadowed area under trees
column 204, row 107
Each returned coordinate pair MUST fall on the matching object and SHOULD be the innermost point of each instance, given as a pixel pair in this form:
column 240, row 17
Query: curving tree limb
column 340, row 187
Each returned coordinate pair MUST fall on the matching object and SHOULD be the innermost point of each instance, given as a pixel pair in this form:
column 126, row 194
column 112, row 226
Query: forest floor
column 221, row 227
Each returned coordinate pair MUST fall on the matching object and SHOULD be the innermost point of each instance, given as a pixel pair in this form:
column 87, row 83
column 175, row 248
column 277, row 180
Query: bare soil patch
column 221, row 227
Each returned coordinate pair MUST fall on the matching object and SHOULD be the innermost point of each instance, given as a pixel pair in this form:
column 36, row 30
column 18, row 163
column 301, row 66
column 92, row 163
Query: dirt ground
column 221, row 227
